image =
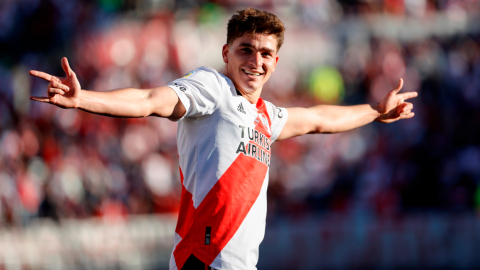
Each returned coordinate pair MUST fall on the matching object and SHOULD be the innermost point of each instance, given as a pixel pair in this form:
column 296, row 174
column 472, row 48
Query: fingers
column 402, row 110
column 399, row 86
column 42, row 75
column 407, row 106
column 407, row 95
column 48, row 77
column 403, row 96
column 45, row 76
column 41, row 99
column 400, row 102
column 54, row 91
column 58, row 85
column 66, row 67
column 404, row 107
column 407, row 116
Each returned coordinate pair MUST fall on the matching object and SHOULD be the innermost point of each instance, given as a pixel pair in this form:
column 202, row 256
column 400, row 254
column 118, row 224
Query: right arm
column 129, row 102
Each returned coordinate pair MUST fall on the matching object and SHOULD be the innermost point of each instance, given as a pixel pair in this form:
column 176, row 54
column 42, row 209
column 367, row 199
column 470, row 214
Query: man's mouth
column 248, row 72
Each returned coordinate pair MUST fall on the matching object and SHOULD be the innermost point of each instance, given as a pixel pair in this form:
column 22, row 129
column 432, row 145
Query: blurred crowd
column 61, row 164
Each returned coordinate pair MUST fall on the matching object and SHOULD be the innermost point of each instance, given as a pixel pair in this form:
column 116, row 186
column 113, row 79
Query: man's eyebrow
column 261, row 49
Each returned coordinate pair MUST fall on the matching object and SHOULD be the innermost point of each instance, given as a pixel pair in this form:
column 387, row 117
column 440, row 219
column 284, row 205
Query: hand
column 393, row 106
column 62, row 92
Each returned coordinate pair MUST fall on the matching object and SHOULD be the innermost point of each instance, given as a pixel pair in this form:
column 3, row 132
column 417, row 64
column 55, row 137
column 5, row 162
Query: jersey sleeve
column 199, row 91
column 278, row 117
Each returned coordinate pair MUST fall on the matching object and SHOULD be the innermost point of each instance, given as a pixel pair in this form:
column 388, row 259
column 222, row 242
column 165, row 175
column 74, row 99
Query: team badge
column 264, row 121
column 188, row 74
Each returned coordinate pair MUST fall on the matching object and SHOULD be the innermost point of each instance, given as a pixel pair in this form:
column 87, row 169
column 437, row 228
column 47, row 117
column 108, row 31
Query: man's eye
column 266, row 54
column 246, row 50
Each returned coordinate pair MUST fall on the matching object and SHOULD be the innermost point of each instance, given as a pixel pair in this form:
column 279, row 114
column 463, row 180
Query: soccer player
column 225, row 133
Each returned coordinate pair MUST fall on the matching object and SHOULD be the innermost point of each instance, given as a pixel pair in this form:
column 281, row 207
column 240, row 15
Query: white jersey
column 224, row 146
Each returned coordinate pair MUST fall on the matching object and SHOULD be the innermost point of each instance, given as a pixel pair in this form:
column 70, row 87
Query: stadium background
column 80, row 191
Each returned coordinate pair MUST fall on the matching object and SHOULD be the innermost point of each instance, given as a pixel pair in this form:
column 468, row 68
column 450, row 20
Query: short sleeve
column 200, row 91
column 278, row 118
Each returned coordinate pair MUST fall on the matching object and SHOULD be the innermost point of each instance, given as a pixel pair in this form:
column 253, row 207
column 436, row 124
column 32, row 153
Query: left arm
column 334, row 119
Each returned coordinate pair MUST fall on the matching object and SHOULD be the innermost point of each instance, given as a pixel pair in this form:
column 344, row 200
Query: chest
column 250, row 126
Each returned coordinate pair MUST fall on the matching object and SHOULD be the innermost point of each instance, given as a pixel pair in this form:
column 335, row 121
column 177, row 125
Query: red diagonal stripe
column 223, row 209
column 185, row 219
column 262, row 108
column 184, row 223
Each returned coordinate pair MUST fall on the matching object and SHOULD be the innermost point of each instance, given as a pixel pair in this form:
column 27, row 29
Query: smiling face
column 249, row 62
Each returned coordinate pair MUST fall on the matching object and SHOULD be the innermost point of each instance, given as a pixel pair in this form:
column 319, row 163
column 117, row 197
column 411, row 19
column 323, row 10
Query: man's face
column 250, row 61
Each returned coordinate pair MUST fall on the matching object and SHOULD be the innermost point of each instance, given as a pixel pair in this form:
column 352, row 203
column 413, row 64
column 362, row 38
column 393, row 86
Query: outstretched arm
column 129, row 102
column 333, row 119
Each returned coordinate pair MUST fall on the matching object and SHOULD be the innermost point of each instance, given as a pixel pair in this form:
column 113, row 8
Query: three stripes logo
column 240, row 108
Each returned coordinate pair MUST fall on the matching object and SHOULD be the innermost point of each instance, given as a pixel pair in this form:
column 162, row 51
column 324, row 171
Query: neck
column 250, row 97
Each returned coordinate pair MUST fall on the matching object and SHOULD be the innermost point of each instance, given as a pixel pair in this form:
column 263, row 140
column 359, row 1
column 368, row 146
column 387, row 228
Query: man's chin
column 249, row 87
column 250, row 90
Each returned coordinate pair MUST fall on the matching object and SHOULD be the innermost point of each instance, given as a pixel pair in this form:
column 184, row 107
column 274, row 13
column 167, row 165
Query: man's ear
column 276, row 62
column 225, row 51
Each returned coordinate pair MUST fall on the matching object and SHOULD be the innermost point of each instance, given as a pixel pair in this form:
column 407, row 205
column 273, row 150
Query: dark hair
column 254, row 21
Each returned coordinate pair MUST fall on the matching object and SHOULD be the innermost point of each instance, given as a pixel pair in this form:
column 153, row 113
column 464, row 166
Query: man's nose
column 256, row 59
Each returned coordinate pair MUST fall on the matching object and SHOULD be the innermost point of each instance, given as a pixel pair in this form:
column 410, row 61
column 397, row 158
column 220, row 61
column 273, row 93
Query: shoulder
column 211, row 78
column 204, row 79
column 200, row 91
column 278, row 117
column 204, row 73
column 275, row 112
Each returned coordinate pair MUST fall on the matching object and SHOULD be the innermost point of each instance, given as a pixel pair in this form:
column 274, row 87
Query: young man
column 224, row 135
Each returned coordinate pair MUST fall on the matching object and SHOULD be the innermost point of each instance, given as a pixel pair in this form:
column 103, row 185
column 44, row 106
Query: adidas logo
column 240, row 108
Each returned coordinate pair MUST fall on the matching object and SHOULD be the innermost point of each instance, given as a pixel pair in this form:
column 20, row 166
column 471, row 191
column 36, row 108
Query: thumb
column 399, row 86
column 66, row 67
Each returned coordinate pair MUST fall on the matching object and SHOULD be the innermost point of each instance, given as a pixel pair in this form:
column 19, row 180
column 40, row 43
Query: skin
column 129, row 102
column 334, row 119
column 250, row 54
column 246, row 55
